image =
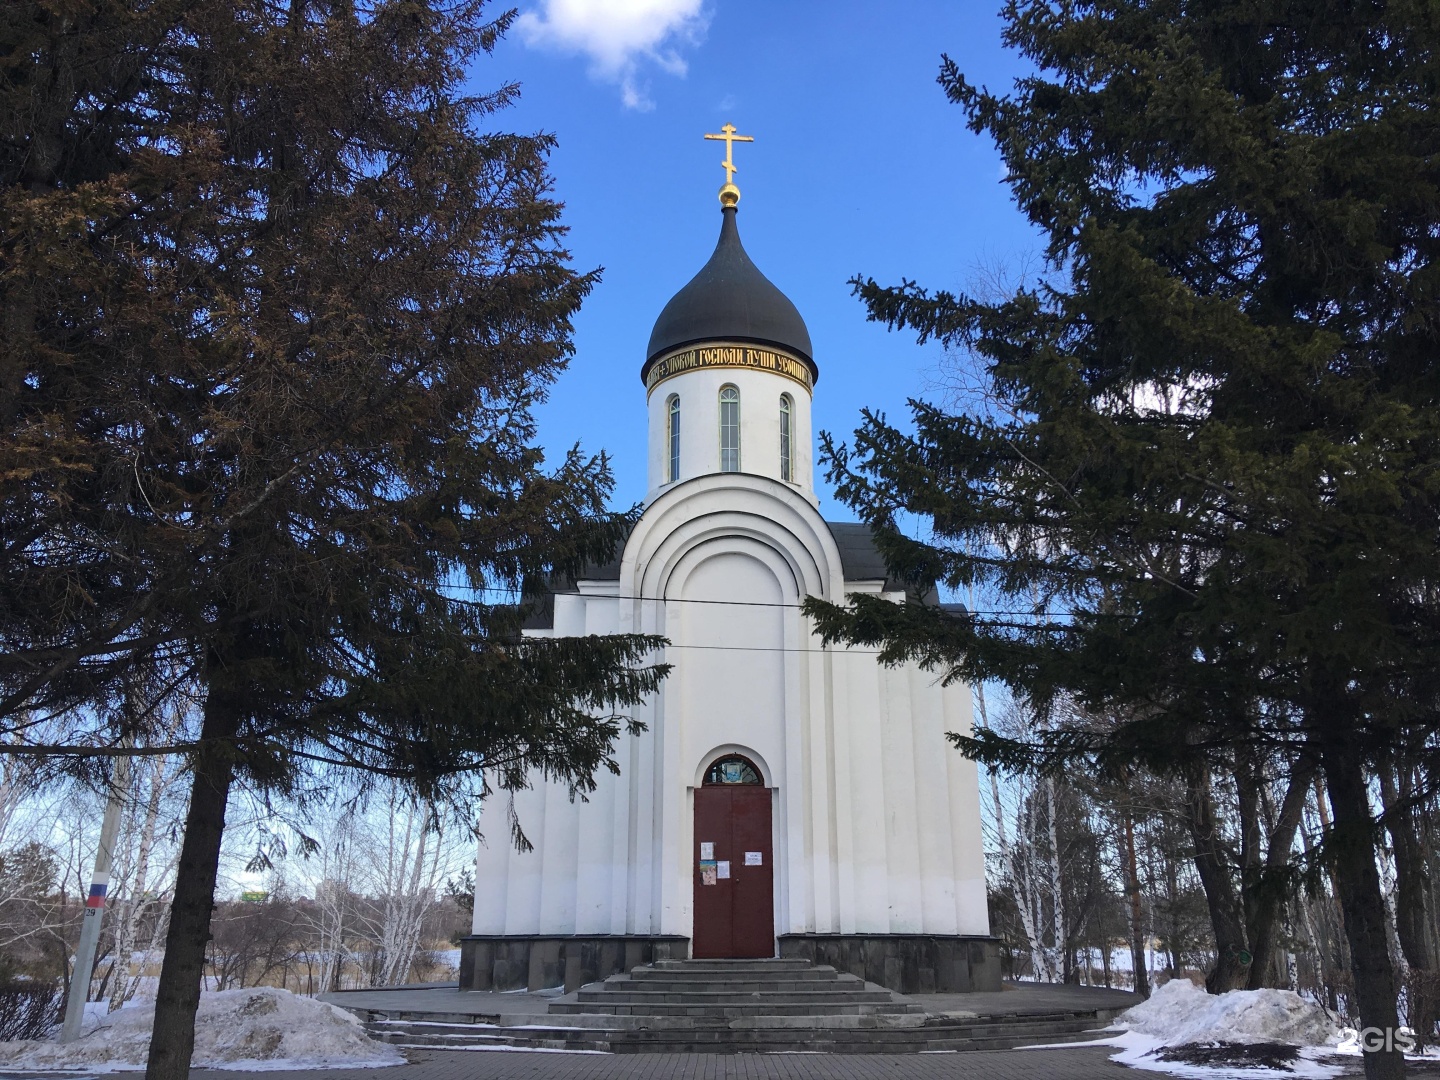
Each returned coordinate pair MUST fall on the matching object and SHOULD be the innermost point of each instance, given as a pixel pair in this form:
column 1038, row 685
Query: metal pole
column 95, row 904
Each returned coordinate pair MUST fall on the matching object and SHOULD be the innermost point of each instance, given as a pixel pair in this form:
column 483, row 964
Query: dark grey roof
column 859, row 557
column 541, row 613
column 730, row 300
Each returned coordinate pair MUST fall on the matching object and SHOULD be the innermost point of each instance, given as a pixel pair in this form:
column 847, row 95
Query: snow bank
column 1180, row 1012
column 1225, row 1061
column 260, row 1029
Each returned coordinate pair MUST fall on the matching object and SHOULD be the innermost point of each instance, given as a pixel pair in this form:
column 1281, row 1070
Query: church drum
column 734, row 915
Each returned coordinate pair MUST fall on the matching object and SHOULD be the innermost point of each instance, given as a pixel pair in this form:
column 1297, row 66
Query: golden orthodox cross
column 730, row 139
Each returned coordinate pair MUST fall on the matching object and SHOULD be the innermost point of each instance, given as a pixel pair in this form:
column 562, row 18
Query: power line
column 776, row 648
column 510, row 593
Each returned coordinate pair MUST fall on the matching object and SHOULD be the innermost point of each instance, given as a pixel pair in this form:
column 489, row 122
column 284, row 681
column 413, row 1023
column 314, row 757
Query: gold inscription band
column 728, row 356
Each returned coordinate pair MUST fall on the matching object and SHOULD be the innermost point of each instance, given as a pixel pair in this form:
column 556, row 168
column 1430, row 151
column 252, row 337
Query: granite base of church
column 905, row 963
column 542, row 963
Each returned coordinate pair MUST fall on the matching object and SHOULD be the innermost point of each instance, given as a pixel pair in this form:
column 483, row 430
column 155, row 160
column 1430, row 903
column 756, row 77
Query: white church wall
column 876, row 816
column 699, row 393
column 902, row 824
column 935, row 798
column 868, row 791
column 971, row 899
column 520, row 912
column 806, row 672
column 841, row 797
column 558, row 851
column 730, row 666
column 729, row 657
column 596, row 837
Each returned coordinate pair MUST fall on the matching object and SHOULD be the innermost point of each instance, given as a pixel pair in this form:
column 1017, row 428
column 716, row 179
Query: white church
column 785, row 798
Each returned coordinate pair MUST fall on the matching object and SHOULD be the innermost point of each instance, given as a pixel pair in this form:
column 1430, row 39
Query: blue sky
column 860, row 165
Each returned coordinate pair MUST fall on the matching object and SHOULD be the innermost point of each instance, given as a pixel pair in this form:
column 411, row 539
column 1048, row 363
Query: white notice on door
column 752, row 858
column 707, row 851
column 722, row 868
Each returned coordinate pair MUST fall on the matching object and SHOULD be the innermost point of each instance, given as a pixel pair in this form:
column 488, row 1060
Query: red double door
column 734, row 875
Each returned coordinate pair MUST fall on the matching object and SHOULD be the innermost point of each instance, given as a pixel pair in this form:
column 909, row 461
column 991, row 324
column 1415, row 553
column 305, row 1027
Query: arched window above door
column 733, row 770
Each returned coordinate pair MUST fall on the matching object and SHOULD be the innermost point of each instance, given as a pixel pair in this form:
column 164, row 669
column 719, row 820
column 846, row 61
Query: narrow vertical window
column 785, row 429
column 729, row 429
column 673, row 428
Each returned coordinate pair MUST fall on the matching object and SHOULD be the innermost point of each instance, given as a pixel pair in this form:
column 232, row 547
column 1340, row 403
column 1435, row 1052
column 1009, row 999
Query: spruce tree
column 279, row 299
column 1201, row 490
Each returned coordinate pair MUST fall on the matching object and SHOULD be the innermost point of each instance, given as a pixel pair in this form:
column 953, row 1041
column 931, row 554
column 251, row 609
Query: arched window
column 729, row 429
column 733, row 770
column 672, row 412
column 786, row 413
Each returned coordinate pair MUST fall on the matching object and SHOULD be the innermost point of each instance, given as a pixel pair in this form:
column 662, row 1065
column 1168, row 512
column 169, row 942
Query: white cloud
column 619, row 37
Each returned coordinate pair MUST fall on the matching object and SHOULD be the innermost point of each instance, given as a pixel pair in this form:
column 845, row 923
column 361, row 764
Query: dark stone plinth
column 510, row 962
column 905, row 963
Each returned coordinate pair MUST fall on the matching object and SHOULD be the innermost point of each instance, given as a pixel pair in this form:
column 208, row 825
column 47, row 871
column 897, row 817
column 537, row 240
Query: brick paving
column 1068, row 1064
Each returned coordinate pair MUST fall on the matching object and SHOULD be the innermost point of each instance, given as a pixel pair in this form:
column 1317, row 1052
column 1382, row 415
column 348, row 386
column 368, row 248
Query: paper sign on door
column 722, row 868
column 753, row 858
column 707, row 851
column 707, row 872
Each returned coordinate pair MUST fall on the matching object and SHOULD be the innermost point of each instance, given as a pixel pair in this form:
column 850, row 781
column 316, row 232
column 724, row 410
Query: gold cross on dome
column 729, row 137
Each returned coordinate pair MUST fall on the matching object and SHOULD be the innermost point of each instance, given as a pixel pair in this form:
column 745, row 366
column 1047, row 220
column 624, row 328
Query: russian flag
column 97, row 895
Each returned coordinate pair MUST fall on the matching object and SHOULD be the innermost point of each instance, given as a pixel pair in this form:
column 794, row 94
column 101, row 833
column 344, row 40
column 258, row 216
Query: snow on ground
column 259, row 1029
column 1226, row 1060
column 1242, row 1035
column 1180, row 1012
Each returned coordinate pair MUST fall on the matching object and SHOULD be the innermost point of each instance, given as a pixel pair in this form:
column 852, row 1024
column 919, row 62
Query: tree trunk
column 1363, row 904
column 1172, row 944
column 178, row 994
column 1057, row 883
column 1226, row 919
column 1137, row 925
column 1268, row 890
column 1414, row 902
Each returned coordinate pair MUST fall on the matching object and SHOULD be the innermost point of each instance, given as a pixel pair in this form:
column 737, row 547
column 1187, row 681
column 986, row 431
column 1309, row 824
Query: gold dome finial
column 729, row 193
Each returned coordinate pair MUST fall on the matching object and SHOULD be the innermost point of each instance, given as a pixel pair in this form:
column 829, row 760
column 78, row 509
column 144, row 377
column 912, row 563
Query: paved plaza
column 1061, row 1063
column 1066, row 1064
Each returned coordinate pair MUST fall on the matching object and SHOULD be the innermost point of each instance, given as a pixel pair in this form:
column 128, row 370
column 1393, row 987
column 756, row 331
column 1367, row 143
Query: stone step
column 424, row 1016
column 737, row 1006
column 995, row 1031
column 521, row 1041
column 727, row 997
column 784, row 975
column 766, row 964
column 881, row 1027
column 984, row 1025
column 561, row 1008
column 689, row 970
column 822, row 1028
column 622, row 984
column 1012, row 1022
column 823, row 1043
column 697, row 1039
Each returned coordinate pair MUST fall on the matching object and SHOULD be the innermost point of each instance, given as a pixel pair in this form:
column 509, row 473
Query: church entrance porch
column 734, row 865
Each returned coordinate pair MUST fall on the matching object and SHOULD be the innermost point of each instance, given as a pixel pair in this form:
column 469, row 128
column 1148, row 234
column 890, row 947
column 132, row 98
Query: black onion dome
column 730, row 300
